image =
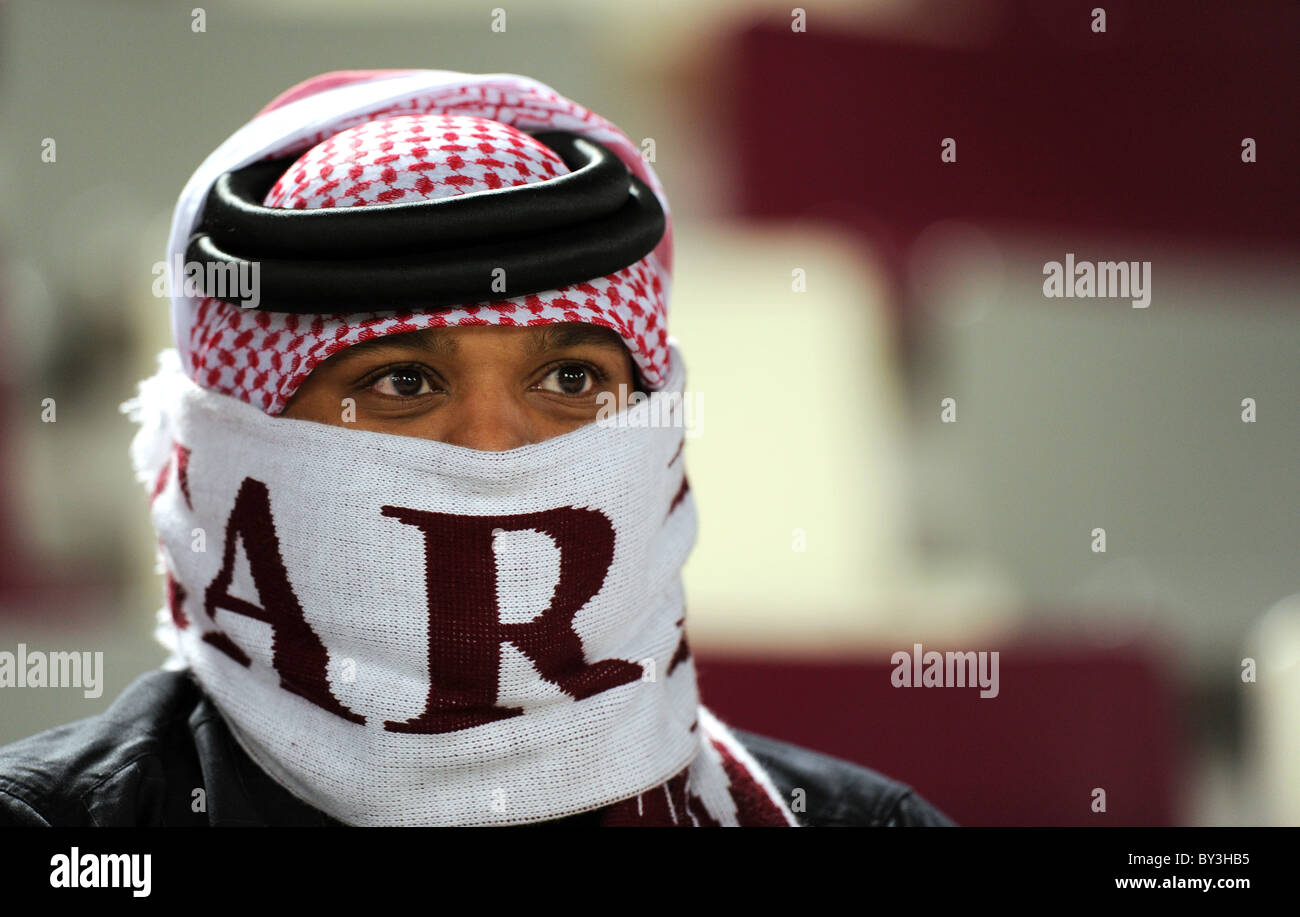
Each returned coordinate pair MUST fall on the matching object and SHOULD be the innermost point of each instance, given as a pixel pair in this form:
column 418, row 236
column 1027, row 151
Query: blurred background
column 837, row 280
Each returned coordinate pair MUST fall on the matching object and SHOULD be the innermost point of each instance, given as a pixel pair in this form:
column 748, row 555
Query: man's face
column 485, row 387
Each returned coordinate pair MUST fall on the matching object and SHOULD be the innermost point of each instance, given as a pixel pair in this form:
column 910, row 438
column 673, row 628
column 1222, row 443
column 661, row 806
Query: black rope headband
column 433, row 254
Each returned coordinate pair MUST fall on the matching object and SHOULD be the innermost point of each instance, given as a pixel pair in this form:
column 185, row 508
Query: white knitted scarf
column 406, row 632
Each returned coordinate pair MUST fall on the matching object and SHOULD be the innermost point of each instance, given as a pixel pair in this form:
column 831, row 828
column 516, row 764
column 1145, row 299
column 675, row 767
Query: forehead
column 446, row 341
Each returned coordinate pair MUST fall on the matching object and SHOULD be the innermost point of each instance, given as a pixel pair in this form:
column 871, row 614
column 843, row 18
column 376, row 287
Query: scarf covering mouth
column 393, row 136
column 406, row 632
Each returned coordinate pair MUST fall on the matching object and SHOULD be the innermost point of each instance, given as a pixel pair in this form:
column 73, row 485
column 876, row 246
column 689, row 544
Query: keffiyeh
column 399, row 136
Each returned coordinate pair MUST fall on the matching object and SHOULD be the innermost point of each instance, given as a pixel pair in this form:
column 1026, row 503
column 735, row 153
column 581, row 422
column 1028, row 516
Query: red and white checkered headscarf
column 387, row 136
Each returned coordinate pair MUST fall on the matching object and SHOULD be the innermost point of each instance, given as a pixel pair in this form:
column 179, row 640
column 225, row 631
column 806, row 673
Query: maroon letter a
column 297, row 652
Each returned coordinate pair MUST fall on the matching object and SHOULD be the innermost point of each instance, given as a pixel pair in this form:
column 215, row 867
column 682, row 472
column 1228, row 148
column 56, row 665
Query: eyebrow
column 557, row 337
column 550, row 337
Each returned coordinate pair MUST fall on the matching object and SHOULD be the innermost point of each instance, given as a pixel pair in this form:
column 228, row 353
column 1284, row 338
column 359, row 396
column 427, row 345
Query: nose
column 487, row 419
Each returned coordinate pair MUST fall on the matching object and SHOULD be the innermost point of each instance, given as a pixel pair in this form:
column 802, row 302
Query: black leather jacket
column 139, row 762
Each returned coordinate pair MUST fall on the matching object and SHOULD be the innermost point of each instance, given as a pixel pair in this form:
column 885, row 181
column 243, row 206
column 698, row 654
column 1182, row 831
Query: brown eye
column 406, row 382
column 570, row 379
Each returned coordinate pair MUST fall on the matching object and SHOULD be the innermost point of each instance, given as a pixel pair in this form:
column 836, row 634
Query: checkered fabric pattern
column 263, row 357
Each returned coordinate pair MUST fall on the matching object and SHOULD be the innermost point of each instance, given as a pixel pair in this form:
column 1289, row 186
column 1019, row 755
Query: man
column 415, row 465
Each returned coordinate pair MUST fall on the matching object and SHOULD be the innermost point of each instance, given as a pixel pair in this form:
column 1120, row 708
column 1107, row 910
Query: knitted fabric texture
column 406, row 632
column 452, row 140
